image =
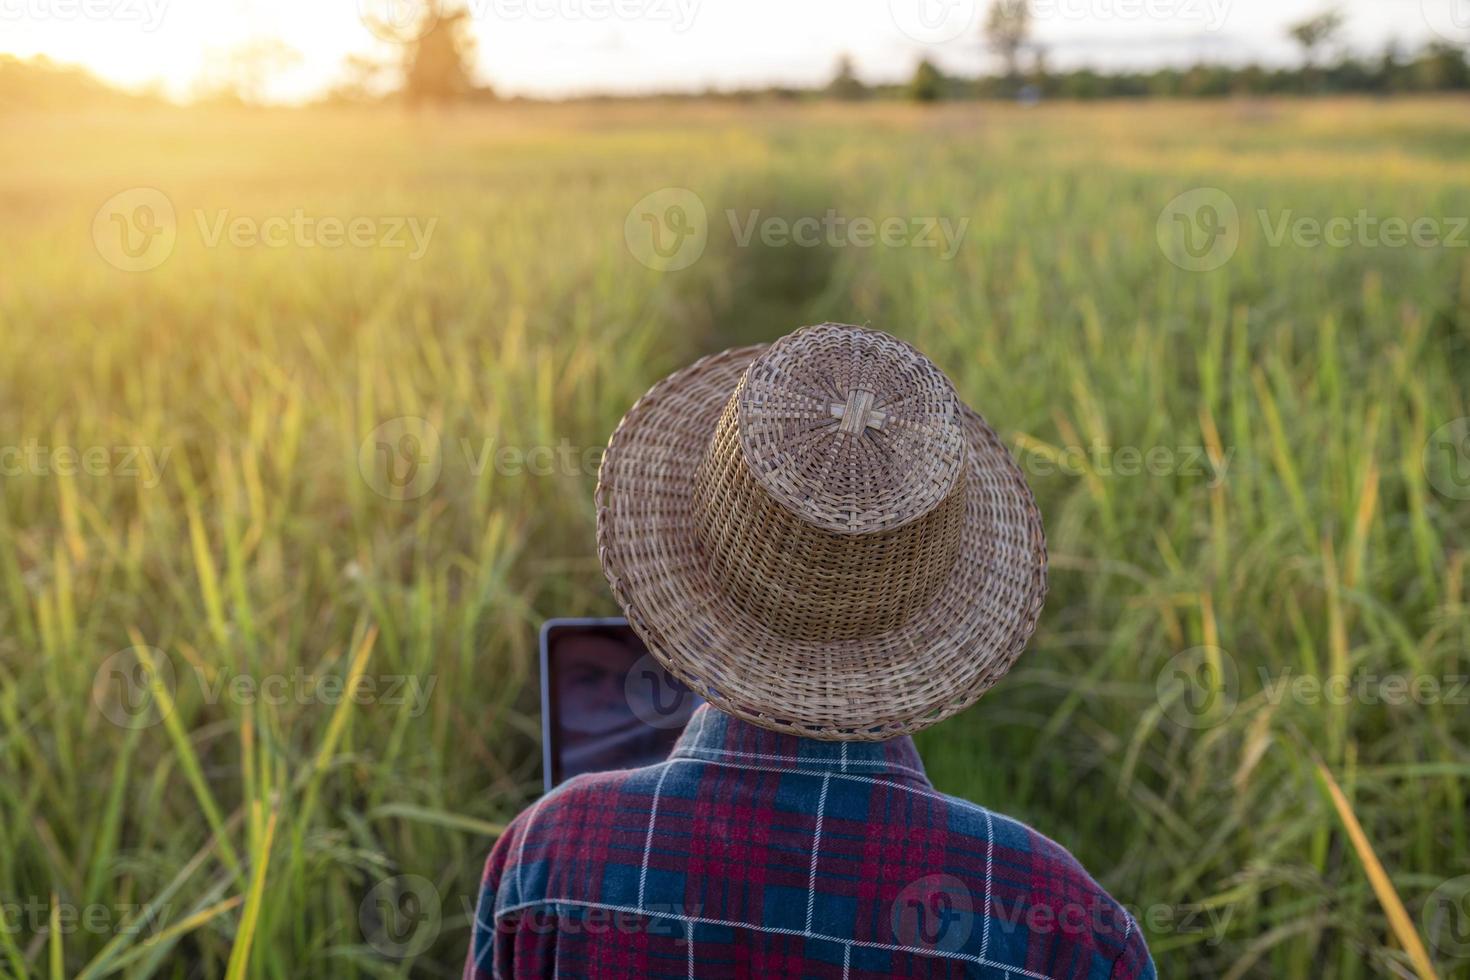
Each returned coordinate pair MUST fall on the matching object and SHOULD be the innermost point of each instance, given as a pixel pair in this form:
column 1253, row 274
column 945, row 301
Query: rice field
column 267, row 670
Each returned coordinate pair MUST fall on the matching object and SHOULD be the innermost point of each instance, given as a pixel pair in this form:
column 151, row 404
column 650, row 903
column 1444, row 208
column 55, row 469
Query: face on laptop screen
column 609, row 705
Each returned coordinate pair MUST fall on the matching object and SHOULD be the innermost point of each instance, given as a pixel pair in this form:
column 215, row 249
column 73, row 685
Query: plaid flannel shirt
column 755, row 854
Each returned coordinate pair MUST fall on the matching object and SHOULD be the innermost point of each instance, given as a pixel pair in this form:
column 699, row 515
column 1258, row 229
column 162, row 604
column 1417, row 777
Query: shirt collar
column 714, row 736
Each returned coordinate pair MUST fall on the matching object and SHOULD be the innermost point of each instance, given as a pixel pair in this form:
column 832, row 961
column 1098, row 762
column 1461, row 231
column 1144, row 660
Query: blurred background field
column 1297, row 532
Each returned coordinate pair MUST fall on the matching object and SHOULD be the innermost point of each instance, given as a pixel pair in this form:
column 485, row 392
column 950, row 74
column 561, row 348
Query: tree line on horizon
column 435, row 65
column 438, row 68
column 1437, row 67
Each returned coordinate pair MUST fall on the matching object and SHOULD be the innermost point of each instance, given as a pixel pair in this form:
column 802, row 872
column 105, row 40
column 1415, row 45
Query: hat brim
column 935, row 664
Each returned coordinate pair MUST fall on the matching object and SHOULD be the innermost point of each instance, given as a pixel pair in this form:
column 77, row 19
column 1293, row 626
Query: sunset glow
column 567, row 47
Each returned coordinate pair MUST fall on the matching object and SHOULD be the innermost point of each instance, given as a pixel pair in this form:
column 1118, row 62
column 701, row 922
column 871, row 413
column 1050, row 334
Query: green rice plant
column 239, row 534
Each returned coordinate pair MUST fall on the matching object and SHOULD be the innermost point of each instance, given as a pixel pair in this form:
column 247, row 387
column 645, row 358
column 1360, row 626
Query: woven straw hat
column 819, row 537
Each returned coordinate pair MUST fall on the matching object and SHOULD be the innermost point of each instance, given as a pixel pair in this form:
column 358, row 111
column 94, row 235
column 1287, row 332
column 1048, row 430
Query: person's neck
column 716, row 737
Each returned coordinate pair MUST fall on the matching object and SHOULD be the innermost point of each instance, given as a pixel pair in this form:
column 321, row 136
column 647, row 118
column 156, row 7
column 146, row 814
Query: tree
column 1040, row 72
column 1442, row 68
column 244, row 73
column 438, row 65
column 927, row 84
column 1007, row 29
column 1315, row 33
column 845, row 83
column 1390, row 68
column 364, row 79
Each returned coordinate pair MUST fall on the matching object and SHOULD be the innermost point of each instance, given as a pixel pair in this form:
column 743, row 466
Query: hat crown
column 861, row 623
column 830, row 501
column 852, row 430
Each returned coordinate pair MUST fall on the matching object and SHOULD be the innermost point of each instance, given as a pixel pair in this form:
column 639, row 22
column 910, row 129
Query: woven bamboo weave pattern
column 818, row 536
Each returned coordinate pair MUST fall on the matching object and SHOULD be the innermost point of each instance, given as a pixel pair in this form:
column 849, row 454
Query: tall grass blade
column 1388, row 896
column 245, row 937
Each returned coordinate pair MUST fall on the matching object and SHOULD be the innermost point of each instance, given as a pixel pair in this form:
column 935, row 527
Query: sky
column 551, row 48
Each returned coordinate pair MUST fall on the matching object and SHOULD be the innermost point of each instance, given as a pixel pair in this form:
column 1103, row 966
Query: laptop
column 606, row 703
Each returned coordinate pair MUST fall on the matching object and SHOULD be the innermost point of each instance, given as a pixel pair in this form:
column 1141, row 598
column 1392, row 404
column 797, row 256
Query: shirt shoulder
column 885, row 861
column 1044, row 908
column 563, row 847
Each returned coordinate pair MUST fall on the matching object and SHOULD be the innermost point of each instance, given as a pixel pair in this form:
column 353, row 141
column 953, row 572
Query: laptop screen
column 606, row 703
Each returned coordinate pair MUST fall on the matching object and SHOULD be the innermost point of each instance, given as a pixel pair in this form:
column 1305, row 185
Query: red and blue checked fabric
column 755, row 854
